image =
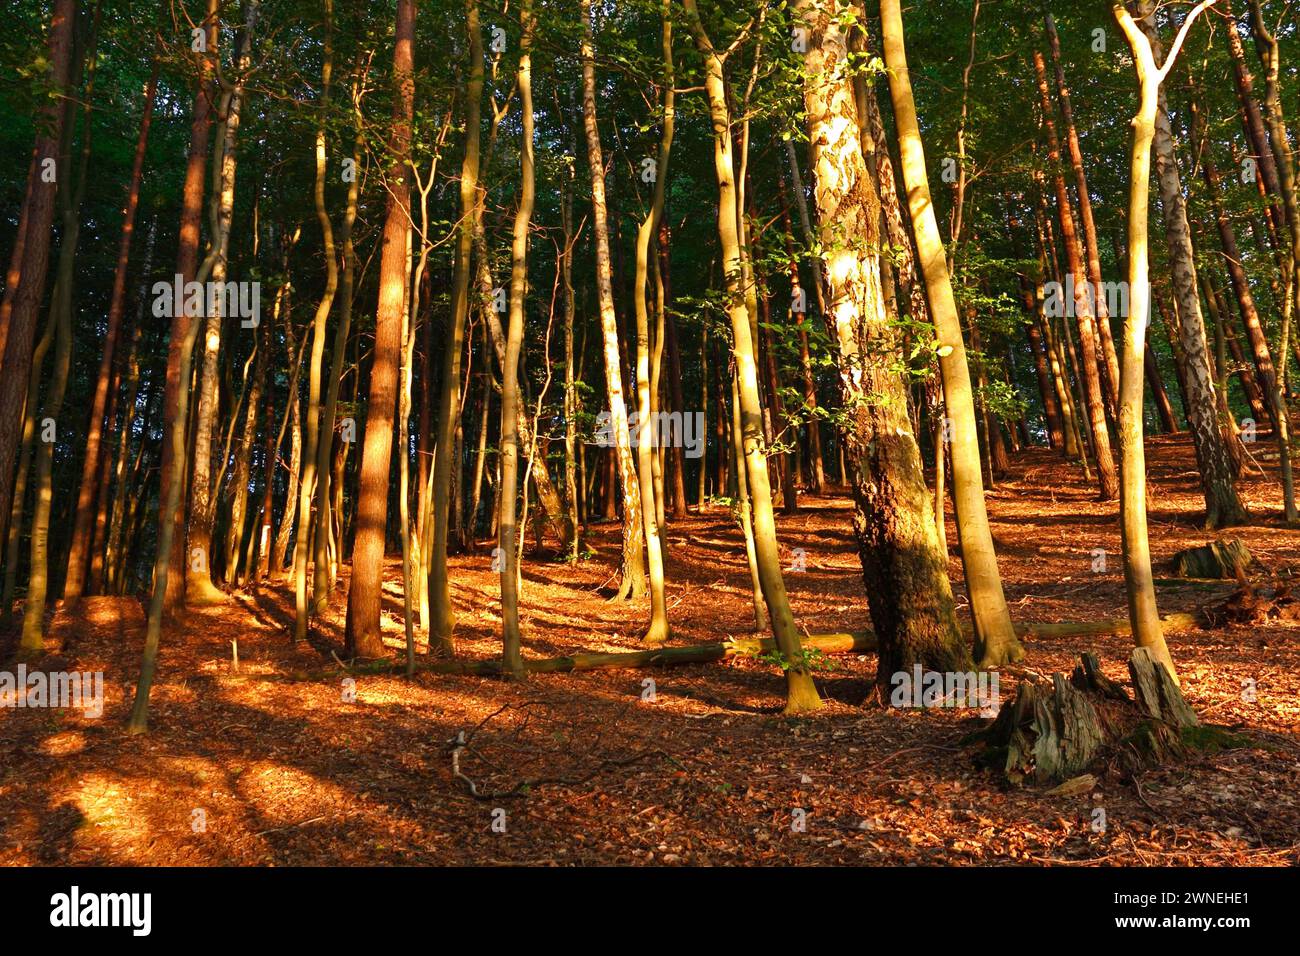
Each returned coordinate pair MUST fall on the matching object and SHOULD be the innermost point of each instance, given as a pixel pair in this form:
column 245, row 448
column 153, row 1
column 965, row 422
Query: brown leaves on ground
column 251, row 767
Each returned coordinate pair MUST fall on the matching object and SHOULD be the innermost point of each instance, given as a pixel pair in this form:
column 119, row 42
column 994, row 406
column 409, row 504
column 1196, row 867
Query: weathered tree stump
column 1055, row 729
column 1214, row 559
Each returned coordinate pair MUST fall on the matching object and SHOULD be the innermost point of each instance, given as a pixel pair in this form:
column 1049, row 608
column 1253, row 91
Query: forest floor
column 254, row 768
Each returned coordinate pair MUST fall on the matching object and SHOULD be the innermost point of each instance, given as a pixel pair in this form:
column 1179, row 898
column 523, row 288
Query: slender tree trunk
column 1107, row 478
column 1143, row 612
column 87, row 494
column 647, row 426
column 996, row 638
column 315, row 367
column 442, row 619
column 1222, row 505
column 365, row 594
column 1164, row 407
column 512, row 661
column 801, row 692
column 199, row 588
column 323, row 568
column 1091, row 248
column 633, row 583
column 1263, row 360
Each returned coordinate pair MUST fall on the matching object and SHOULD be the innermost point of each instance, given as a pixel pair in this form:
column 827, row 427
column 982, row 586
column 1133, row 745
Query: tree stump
column 1214, row 559
column 1056, row 729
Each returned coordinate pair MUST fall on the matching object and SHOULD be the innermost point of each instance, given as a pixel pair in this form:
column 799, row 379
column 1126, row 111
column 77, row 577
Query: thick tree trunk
column 903, row 567
column 47, row 175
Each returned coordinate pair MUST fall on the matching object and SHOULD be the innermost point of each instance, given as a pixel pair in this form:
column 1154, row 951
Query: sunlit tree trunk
column 996, row 637
column 1082, row 303
column 633, row 571
column 315, row 367
column 1101, row 309
column 442, row 619
column 1143, row 612
column 801, row 693
column 903, row 567
column 92, row 462
column 324, row 567
column 199, row 588
column 647, row 426
column 365, row 593
column 1222, row 505
column 512, row 661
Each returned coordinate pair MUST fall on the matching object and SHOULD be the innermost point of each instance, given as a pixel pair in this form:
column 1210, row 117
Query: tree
column 903, row 567
column 996, row 638
column 1143, row 613
column 362, row 636
column 801, row 692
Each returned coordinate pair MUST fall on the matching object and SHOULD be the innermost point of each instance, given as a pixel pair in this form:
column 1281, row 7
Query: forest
column 649, row 433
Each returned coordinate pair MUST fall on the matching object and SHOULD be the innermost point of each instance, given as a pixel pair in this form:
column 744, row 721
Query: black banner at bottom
column 912, row 906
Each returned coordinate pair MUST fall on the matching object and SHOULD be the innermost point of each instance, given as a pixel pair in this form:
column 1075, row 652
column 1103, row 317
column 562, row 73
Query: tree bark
column 903, row 567
column 1107, row 478
column 801, row 692
column 996, row 640
column 365, row 594
column 1222, row 505
column 633, row 583
column 87, row 493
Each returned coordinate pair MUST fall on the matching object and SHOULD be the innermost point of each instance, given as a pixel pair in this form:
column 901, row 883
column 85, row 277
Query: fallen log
column 844, row 642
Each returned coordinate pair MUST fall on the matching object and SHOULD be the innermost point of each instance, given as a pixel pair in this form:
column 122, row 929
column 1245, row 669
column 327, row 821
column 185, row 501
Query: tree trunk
column 91, row 477
column 903, row 568
column 1100, row 306
column 365, row 594
column 47, row 173
column 647, row 427
column 512, row 661
column 199, row 588
column 633, row 583
column 1107, row 479
column 1143, row 612
column 310, row 454
column 996, row 641
column 801, row 692
column 1222, row 506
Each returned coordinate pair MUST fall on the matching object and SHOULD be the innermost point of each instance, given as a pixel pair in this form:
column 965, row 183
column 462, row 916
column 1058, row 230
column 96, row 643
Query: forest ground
column 287, row 772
